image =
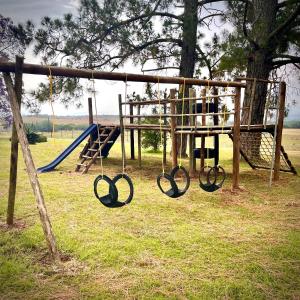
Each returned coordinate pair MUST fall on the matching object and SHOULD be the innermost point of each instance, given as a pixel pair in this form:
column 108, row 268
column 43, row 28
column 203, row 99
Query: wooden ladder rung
column 101, row 142
column 81, row 165
column 86, row 156
column 93, row 150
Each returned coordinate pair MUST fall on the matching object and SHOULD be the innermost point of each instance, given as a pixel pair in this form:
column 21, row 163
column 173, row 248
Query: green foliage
column 251, row 34
column 150, row 138
column 46, row 126
column 34, row 137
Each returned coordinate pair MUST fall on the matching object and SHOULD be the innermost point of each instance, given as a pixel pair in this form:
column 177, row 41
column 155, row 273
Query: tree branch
column 209, row 16
column 279, row 63
column 285, row 24
column 159, row 69
column 282, row 4
column 251, row 41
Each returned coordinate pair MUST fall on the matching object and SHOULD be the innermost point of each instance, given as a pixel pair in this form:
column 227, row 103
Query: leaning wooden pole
column 31, row 171
column 14, row 148
column 282, row 92
column 236, row 141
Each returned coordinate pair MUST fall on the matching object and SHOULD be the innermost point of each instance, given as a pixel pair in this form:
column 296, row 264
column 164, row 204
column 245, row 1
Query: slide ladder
column 91, row 152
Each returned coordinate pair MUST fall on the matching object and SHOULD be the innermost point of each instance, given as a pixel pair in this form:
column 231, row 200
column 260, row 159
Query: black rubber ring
column 186, row 174
column 223, row 174
column 173, row 191
column 212, row 187
column 131, row 190
column 208, row 182
column 110, row 199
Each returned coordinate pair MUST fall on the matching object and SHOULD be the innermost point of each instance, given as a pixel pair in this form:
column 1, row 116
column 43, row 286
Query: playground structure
column 193, row 128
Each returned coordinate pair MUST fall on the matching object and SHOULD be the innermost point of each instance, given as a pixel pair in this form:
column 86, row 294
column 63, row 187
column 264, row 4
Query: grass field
column 201, row 246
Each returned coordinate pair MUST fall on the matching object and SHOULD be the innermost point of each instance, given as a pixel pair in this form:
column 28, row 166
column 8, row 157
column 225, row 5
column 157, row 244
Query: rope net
column 257, row 149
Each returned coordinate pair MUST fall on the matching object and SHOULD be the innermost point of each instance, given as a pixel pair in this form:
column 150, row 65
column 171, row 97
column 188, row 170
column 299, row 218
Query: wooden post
column 131, row 134
column 165, row 134
column 192, row 169
column 282, row 91
column 122, row 131
column 139, row 138
column 236, row 140
column 173, row 129
column 91, row 118
column 90, row 105
column 203, row 123
column 14, row 147
column 31, row 171
column 216, row 122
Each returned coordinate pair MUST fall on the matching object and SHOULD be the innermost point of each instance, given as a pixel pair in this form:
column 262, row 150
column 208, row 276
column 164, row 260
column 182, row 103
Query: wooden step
column 86, row 156
column 81, row 165
column 93, row 150
column 101, row 142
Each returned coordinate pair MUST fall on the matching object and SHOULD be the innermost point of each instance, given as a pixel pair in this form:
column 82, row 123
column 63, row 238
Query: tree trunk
column 188, row 59
column 259, row 66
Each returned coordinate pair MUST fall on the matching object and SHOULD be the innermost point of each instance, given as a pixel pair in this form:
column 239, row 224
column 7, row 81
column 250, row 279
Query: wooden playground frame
column 18, row 133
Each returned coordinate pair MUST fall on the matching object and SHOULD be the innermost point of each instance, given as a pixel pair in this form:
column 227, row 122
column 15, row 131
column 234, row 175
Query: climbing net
column 257, row 149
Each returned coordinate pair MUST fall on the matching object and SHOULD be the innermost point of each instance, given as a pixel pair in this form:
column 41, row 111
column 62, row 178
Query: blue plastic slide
column 91, row 129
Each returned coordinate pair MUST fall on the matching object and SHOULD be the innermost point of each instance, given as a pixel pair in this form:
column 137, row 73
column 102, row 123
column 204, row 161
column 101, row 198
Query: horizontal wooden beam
column 85, row 73
column 165, row 101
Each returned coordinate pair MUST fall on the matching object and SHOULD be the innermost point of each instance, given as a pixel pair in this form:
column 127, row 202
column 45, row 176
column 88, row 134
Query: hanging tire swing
column 212, row 185
column 111, row 199
column 212, row 178
column 174, row 191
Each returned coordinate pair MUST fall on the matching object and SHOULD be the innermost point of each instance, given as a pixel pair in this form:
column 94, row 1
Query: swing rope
column 96, row 114
column 182, row 118
column 160, row 124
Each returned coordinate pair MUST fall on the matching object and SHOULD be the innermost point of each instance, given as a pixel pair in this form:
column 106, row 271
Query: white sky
column 107, row 91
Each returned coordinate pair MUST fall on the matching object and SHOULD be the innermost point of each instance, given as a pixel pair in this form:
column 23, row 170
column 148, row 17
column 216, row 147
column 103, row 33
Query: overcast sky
column 107, row 92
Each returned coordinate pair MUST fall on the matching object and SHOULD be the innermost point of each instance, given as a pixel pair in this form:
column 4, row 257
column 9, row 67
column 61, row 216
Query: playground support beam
column 91, row 119
column 122, row 131
column 132, row 156
column 116, row 76
column 236, row 141
column 192, row 160
column 14, row 148
column 139, row 137
column 282, row 92
column 31, row 171
column 173, row 129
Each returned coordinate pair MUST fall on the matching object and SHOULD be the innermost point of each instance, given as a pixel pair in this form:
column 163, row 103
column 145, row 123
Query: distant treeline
column 46, row 126
column 292, row 124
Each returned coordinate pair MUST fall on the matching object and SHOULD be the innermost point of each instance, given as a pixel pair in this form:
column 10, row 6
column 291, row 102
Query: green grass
column 201, row 246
